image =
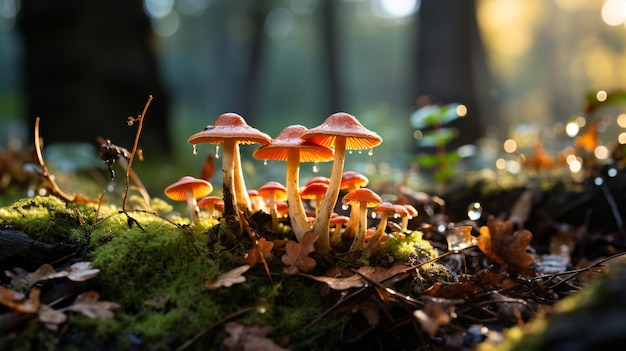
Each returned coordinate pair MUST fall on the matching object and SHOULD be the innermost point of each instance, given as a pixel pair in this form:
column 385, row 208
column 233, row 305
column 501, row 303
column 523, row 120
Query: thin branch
column 135, row 145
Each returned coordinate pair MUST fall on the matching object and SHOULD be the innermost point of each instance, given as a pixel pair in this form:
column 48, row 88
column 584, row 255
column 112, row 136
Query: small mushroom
column 351, row 180
column 288, row 146
column 338, row 222
column 230, row 130
column 189, row 189
column 340, row 131
column 209, row 203
column 411, row 212
column 385, row 209
column 314, row 191
column 363, row 198
column 273, row 192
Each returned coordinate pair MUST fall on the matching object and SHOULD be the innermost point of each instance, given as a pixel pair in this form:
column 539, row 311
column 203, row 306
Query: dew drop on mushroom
column 195, row 149
column 371, row 152
column 316, row 167
column 217, row 151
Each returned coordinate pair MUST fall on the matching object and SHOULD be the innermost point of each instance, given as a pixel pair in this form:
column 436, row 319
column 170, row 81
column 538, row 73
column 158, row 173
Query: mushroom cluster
column 329, row 141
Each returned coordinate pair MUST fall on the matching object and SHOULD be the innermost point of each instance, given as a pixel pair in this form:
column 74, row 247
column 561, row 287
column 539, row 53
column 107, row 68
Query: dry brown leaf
column 87, row 303
column 296, row 254
column 50, row 317
column 343, row 283
column 18, row 301
column 249, row 338
column 436, row 312
column 227, row 279
column 507, row 248
column 253, row 256
column 27, row 280
column 81, row 271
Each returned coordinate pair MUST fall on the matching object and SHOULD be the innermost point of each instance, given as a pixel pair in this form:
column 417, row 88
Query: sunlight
column 400, row 8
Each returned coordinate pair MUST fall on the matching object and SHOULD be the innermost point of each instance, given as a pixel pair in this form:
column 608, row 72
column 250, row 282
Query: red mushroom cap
column 289, row 138
column 208, row 201
column 229, row 126
column 343, row 125
column 178, row 190
column 385, row 207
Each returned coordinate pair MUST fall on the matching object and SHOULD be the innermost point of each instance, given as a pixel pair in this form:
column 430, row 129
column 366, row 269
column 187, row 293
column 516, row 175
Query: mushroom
column 411, row 212
column 189, row 189
column 385, row 209
column 314, row 191
column 230, row 130
column 273, row 192
column 209, row 202
column 342, row 132
column 337, row 221
column 363, row 198
column 351, row 180
column 288, row 146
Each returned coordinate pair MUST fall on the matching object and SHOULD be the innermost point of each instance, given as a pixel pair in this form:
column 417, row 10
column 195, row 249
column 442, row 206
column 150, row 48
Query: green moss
column 410, row 246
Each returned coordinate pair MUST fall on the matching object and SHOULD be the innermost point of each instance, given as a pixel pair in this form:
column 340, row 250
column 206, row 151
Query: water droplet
column 217, row 151
column 360, row 152
column 350, row 152
column 371, row 152
column 195, row 149
column 316, row 167
column 209, row 127
column 474, row 211
column 264, row 162
column 345, row 207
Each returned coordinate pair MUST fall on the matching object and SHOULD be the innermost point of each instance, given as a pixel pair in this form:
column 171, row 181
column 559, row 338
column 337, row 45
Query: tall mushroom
column 288, row 146
column 363, row 198
column 230, row 130
column 342, row 132
column 189, row 189
column 385, row 209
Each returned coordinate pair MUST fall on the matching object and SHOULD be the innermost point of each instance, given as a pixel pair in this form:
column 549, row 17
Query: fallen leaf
column 234, row 276
column 18, row 301
column 50, row 317
column 507, row 248
column 81, row 271
column 87, row 303
column 26, row 280
column 340, row 283
column 253, row 256
column 296, row 253
column 249, row 338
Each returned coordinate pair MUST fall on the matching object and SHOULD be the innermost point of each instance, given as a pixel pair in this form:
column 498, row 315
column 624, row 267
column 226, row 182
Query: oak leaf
column 22, row 279
column 50, row 317
column 507, row 248
column 249, row 338
column 18, row 301
column 81, row 271
column 227, row 279
column 296, row 254
column 253, row 255
column 87, row 303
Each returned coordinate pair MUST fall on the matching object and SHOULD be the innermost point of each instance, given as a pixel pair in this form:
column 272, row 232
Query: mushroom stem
column 372, row 245
column 359, row 237
column 297, row 215
column 192, row 205
column 321, row 225
column 241, row 192
column 272, row 206
column 230, row 200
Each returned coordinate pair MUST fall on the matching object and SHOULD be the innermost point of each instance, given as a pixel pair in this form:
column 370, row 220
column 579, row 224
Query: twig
column 135, row 145
column 213, row 325
column 54, row 188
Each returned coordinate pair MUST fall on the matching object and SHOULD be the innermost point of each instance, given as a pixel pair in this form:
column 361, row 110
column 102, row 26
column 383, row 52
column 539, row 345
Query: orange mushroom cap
column 362, row 195
column 229, row 126
column 385, row 207
column 312, row 190
column 289, row 138
column 280, row 192
column 198, row 187
column 208, row 201
column 343, row 125
column 353, row 180
column 318, row 179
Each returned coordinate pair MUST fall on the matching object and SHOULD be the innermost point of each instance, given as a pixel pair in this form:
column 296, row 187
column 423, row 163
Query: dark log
column 19, row 250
